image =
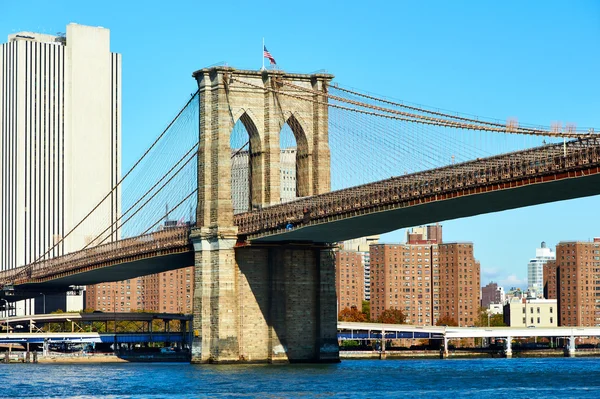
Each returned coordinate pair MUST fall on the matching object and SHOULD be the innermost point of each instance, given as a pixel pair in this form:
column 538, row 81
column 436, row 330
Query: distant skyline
column 531, row 60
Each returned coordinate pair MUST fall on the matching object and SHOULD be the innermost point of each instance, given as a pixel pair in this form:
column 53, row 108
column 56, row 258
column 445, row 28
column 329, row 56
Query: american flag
column 268, row 55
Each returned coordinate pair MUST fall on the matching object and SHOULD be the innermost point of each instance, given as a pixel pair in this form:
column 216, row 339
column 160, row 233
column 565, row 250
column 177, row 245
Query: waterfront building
column 168, row 292
column 460, row 282
column 574, row 280
column 531, row 312
column 426, row 281
column 60, row 117
column 535, row 269
column 402, row 278
column 350, row 284
column 361, row 245
column 491, row 294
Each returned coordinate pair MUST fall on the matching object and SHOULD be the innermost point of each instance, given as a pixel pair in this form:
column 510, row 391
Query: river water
column 469, row 378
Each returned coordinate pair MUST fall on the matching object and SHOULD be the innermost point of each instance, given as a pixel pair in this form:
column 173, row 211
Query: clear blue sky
column 537, row 61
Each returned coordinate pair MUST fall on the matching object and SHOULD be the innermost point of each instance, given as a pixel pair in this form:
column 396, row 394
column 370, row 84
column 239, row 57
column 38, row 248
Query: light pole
column 6, row 310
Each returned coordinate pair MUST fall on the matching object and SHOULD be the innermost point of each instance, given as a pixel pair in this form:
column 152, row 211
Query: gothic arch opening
column 294, row 161
column 245, row 175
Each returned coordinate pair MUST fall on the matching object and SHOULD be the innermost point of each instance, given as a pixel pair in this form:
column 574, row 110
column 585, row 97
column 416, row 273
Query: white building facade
column 60, row 144
column 531, row 312
column 535, row 269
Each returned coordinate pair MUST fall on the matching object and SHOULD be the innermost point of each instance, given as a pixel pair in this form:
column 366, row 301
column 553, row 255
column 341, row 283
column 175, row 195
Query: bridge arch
column 246, row 170
column 301, row 154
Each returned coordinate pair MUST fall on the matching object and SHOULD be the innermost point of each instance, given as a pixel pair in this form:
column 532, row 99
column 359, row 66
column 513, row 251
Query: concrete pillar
column 382, row 354
column 508, row 348
column 444, row 350
column 570, row 352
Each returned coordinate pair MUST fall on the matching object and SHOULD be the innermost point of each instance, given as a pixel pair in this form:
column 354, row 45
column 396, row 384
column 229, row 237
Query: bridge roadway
column 502, row 182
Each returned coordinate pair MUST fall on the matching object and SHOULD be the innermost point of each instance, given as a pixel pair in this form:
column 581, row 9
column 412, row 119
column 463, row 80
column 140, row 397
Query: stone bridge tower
column 253, row 303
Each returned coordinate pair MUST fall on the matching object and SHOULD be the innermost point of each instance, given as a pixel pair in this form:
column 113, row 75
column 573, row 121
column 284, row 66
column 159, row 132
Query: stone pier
column 272, row 304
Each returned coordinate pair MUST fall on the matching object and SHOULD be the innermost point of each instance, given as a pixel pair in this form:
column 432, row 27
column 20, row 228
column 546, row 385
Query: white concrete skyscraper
column 60, row 141
column 535, row 268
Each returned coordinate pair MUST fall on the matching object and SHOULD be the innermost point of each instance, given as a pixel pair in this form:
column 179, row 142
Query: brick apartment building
column 168, row 292
column 574, row 280
column 491, row 293
column 349, row 279
column 425, row 280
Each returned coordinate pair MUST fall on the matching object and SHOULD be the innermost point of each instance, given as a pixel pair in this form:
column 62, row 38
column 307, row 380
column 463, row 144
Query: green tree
column 494, row 320
column 446, row 321
column 351, row 314
column 366, row 309
column 392, row 316
column 497, row 320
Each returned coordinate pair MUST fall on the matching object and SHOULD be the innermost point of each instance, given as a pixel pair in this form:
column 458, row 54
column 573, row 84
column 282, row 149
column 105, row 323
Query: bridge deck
column 492, row 184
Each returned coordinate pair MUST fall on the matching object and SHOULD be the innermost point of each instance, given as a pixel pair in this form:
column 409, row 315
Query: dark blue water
column 480, row 378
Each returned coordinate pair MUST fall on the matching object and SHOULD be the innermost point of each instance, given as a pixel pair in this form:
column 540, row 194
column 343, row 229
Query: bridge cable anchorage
column 440, row 121
column 120, row 181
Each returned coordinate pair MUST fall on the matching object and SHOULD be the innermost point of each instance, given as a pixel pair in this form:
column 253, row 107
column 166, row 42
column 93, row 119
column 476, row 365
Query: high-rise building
column 459, row 276
column 550, row 281
column 350, row 284
column 491, row 294
column 361, row 246
column 575, row 281
column 60, row 117
column 535, row 269
column 402, row 278
column 426, row 282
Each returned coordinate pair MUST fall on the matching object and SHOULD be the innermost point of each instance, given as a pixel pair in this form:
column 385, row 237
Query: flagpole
column 263, row 53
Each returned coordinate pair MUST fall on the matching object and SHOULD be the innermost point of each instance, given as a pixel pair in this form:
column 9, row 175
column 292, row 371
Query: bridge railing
column 498, row 169
column 111, row 252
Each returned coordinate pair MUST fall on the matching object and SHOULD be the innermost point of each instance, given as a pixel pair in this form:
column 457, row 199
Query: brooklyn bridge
column 262, row 251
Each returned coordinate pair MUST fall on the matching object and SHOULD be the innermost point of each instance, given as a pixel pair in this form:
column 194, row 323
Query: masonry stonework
column 253, row 303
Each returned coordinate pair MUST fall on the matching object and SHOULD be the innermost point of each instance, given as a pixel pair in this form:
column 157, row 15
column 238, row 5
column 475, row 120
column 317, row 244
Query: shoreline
column 344, row 355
